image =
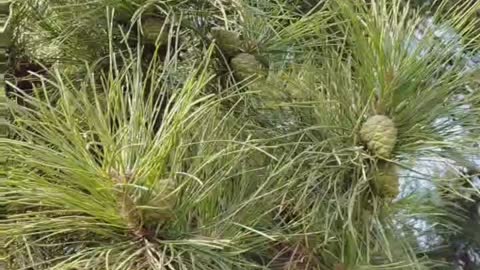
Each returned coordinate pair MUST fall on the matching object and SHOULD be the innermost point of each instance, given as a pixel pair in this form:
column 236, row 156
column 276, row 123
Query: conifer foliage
column 238, row 134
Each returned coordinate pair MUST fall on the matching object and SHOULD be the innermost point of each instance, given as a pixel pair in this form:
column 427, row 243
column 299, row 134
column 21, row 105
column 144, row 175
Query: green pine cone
column 245, row 66
column 161, row 203
column 380, row 135
column 153, row 28
column 386, row 181
column 227, row 41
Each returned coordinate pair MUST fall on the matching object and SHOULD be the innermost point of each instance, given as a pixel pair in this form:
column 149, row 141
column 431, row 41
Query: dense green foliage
column 239, row 135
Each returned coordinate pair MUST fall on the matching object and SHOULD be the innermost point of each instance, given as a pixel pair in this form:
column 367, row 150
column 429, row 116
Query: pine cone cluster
column 243, row 64
column 380, row 135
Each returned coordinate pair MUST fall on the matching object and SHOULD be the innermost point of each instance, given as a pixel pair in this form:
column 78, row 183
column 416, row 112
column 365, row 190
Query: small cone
column 161, row 203
column 153, row 29
column 380, row 135
column 227, row 41
column 246, row 65
column 386, row 181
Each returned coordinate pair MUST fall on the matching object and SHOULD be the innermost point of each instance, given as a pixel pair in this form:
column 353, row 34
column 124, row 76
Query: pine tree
column 239, row 135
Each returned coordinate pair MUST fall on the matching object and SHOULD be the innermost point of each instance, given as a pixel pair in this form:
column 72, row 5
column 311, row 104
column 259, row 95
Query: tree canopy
column 238, row 134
